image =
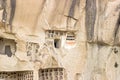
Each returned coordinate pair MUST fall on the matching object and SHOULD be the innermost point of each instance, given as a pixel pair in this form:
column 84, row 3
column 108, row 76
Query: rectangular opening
column 7, row 47
column 57, row 43
column 8, row 50
column 70, row 36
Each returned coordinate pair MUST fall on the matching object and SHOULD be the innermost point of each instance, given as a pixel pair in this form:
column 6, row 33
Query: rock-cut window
column 57, row 43
column 7, row 47
column 8, row 51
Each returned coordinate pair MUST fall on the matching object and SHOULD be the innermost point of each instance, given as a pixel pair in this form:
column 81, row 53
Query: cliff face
column 81, row 36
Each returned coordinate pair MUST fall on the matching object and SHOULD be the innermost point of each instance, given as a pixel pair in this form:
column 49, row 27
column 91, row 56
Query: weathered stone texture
column 77, row 37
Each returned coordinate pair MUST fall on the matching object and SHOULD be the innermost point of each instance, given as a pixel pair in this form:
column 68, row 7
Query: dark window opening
column 57, row 43
column 115, row 51
column 8, row 51
column 70, row 36
column 7, row 47
column 116, row 65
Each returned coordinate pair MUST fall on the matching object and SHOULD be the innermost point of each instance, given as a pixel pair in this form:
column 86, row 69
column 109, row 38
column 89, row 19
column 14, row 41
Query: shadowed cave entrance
column 7, row 47
column 57, row 43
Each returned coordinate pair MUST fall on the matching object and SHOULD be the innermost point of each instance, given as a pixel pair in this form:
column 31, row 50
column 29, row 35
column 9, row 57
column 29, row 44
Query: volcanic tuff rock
column 79, row 36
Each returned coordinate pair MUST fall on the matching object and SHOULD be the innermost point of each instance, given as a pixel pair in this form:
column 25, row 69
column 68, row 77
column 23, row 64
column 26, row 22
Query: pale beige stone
column 79, row 39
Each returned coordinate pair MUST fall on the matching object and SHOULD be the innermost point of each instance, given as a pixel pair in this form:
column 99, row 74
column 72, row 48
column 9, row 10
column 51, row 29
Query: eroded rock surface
column 75, row 39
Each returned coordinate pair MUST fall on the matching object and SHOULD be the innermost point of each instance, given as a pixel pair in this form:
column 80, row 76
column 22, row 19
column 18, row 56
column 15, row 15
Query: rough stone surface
column 78, row 39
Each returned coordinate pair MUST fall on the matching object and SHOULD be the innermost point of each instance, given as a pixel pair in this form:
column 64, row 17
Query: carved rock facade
column 59, row 39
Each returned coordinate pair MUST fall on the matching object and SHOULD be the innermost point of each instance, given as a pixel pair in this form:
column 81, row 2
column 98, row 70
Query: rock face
column 59, row 39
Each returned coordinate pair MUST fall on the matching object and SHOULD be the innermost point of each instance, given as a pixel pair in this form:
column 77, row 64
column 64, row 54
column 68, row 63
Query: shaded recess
column 8, row 50
column 7, row 47
column 57, row 43
column 116, row 65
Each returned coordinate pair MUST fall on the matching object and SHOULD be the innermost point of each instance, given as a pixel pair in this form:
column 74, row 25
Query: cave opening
column 7, row 47
column 116, row 65
column 57, row 43
column 8, row 51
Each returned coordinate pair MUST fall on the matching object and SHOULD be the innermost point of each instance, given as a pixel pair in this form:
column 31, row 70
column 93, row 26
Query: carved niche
column 7, row 47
